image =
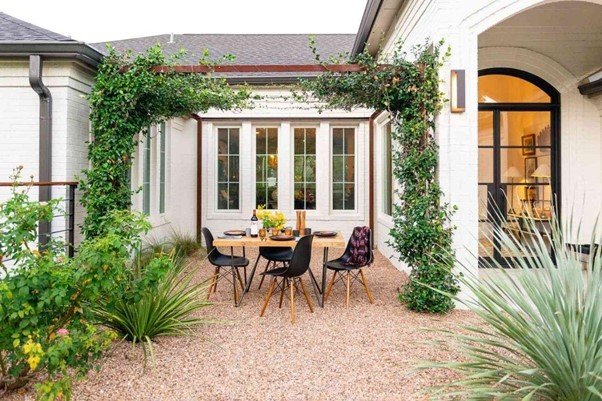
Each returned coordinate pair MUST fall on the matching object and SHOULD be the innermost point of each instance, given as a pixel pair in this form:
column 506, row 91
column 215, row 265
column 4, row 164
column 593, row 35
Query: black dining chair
column 290, row 276
column 347, row 272
column 273, row 255
column 221, row 261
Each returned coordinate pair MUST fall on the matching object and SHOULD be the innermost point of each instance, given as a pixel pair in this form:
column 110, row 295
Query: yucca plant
column 165, row 307
column 541, row 337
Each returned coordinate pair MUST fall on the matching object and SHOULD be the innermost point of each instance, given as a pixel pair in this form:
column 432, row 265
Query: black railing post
column 71, row 220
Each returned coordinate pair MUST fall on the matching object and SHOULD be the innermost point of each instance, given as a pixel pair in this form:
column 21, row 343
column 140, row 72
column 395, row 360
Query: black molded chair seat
column 277, row 272
column 276, row 253
column 225, row 261
column 339, row 264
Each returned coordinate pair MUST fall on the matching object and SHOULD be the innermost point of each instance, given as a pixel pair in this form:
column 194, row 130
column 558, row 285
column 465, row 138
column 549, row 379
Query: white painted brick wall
column 19, row 123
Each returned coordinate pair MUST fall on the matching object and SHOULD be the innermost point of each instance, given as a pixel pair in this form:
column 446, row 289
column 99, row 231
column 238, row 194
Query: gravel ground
column 365, row 352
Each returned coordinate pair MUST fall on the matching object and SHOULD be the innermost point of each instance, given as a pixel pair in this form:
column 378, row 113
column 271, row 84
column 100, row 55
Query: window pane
column 222, row 196
column 338, row 197
column 507, row 89
column 260, row 190
column 260, row 171
column 222, row 168
column 337, row 141
column 310, row 196
column 349, row 196
column 338, row 168
column 349, row 141
column 310, row 141
column 260, row 140
column 299, row 141
column 233, row 188
column 525, row 128
column 310, row 169
column 350, row 168
column 299, row 171
column 485, row 165
column 233, row 170
column 485, row 128
column 222, row 141
column 234, row 141
column 299, row 196
column 273, row 140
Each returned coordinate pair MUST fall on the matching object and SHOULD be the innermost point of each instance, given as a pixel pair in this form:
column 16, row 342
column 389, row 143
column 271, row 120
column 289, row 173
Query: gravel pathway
column 366, row 352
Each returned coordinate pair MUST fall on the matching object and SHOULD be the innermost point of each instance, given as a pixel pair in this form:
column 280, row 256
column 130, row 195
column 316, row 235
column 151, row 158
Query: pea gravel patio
column 366, row 352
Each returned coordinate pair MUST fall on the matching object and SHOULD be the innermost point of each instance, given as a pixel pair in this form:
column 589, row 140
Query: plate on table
column 326, row 234
column 235, row 233
column 282, row 237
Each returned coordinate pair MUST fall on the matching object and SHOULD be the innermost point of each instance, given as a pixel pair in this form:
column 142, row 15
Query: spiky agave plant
column 541, row 337
column 167, row 308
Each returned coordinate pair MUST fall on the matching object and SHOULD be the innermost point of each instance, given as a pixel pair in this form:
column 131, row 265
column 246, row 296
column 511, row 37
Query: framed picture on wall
column 528, row 142
column 530, row 167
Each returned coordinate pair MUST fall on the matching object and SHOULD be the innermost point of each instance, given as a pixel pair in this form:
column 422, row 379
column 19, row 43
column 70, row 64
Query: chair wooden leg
column 365, row 283
column 240, row 279
column 330, row 285
column 292, row 302
column 348, row 288
column 311, row 308
column 213, row 282
column 216, row 279
column 268, row 296
column 234, row 286
column 284, row 286
column 263, row 275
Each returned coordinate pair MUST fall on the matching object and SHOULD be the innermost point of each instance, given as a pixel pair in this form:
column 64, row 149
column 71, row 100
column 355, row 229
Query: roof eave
column 368, row 19
column 591, row 88
column 55, row 49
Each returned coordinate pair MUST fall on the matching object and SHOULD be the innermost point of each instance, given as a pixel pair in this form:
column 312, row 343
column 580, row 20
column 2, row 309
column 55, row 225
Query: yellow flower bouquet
column 271, row 218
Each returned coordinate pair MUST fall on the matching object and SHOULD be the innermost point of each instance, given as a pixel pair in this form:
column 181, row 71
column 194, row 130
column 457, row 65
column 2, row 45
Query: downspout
column 199, row 175
column 372, row 172
column 45, row 139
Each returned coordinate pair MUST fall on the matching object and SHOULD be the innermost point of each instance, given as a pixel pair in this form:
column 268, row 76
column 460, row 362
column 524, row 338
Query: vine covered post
column 130, row 95
column 409, row 92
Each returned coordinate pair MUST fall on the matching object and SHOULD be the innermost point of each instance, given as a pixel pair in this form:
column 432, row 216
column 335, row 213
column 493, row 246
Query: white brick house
column 532, row 71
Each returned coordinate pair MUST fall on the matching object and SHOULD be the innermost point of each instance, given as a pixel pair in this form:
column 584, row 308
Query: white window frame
column 163, row 163
column 356, row 191
column 215, row 157
column 147, row 166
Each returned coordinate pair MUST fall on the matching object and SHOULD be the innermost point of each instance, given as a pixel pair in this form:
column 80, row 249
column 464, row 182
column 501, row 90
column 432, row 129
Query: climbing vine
column 409, row 91
column 128, row 96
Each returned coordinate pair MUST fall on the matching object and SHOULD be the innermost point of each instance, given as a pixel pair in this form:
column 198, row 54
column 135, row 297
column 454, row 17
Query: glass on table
column 263, row 234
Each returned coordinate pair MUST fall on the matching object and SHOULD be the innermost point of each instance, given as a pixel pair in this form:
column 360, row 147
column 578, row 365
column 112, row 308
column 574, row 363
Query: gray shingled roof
column 248, row 48
column 13, row 29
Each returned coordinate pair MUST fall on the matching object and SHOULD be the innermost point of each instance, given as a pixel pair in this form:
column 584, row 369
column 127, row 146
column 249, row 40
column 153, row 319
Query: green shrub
column 160, row 300
column 542, row 338
column 45, row 298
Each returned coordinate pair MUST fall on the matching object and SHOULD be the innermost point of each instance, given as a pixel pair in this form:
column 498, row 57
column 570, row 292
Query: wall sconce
column 458, row 91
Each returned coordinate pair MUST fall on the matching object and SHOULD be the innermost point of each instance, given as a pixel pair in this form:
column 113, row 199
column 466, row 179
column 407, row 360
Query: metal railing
column 45, row 232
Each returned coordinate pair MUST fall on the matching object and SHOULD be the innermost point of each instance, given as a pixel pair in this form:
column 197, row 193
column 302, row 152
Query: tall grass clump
column 160, row 299
column 541, row 337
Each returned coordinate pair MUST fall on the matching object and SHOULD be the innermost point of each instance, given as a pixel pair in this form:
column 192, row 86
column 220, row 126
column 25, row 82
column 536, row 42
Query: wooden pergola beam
column 261, row 68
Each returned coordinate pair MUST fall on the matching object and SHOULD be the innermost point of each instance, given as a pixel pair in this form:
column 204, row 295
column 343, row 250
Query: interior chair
column 273, row 255
column 229, row 263
column 345, row 272
column 289, row 276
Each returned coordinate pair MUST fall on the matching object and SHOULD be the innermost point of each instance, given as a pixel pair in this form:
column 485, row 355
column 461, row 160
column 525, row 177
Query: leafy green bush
column 47, row 329
column 161, row 301
column 542, row 338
